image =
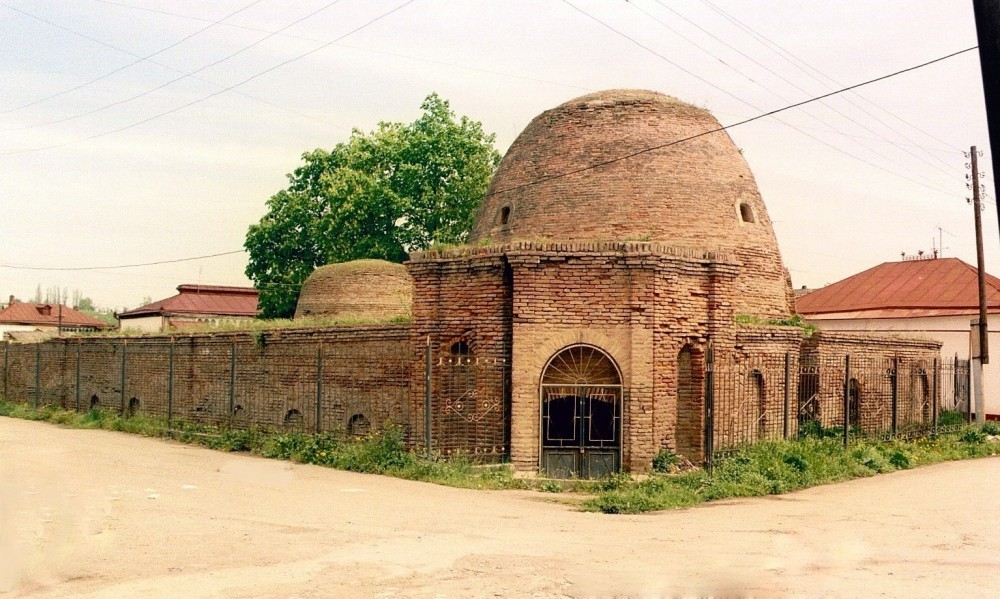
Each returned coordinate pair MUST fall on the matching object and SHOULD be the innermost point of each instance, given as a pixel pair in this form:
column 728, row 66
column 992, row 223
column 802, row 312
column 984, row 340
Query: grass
column 771, row 468
column 256, row 325
column 766, row 468
column 381, row 453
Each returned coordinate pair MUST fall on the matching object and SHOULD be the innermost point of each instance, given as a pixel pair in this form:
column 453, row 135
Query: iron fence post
column 232, row 382
column 123, row 377
column 847, row 399
column 427, row 396
column 38, row 373
column 934, row 400
column 955, row 386
column 709, row 407
column 319, row 387
column 785, row 423
column 79, row 345
column 895, row 394
column 6, row 368
column 170, row 383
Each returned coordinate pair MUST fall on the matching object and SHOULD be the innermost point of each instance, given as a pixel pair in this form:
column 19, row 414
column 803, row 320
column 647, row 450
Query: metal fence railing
column 350, row 389
column 769, row 397
column 455, row 402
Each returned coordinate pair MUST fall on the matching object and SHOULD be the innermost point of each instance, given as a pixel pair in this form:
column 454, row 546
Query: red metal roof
column 941, row 286
column 214, row 300
column 27, row 313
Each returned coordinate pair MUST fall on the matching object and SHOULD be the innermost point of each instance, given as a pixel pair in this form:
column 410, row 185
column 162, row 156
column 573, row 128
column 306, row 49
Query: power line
column 191, row 75
column 219, row 92
column 558, row 175
column 805, row 68
column 117, row 266
column 121, row 68
column 742, row 101
column 724, row 127
column 357, row 48
column 657, row 54
column 183, row 76
column 799, row 88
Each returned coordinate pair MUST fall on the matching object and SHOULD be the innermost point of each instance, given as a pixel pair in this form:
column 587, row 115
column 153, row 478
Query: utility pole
column 981, row 351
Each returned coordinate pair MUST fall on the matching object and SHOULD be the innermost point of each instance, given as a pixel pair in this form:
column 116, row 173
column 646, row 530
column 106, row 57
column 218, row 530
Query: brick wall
column 462, row 312
column 637, row 302
column 360, row 375
column 872, row 361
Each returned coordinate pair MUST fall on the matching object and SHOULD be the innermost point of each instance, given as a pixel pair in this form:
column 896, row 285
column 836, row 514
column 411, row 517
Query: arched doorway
column 581, row 397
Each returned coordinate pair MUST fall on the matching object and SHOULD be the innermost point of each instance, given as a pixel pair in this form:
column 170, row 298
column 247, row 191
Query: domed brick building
column 623, row 235
column 632, row 165
column 360, row 289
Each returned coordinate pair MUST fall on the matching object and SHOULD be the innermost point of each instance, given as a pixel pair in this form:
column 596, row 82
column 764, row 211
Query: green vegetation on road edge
column 765, row 468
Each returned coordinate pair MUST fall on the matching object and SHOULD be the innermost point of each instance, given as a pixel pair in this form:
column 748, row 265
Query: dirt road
column 100, row 514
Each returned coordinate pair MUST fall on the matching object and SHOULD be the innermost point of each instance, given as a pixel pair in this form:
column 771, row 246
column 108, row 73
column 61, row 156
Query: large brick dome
column 362, row 289
column 584, row 172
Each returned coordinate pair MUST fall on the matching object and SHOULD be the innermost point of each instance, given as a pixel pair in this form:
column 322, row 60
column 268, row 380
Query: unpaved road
column 100, row 514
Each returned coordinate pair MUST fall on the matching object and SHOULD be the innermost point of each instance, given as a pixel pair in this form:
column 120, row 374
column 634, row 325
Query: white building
column 935, row 297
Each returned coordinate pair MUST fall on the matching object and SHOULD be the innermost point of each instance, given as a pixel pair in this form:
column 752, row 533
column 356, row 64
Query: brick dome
column 362, row 289
column 696, row 193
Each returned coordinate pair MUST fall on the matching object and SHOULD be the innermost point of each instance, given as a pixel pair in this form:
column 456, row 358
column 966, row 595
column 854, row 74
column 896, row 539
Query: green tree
column 383, row 194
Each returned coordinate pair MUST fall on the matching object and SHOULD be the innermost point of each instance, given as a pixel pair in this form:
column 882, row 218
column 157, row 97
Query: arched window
column 505, row 216
column 746, row 213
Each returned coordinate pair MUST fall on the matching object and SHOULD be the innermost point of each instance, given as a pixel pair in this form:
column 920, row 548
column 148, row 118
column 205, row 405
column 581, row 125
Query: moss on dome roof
column 636, row 165
column 363, row 289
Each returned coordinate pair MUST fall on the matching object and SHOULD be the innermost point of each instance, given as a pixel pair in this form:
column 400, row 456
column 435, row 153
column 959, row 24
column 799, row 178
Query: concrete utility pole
column 980, row 353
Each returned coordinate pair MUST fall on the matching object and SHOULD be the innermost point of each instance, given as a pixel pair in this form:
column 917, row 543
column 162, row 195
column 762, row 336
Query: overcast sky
column 140, row 131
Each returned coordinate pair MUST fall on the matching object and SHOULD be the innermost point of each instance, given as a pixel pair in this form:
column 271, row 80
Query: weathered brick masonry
column 361, row 376
column 622, row 240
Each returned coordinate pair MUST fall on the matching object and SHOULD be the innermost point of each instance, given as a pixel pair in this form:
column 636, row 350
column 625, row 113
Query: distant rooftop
column 202, row 299
column 939, row 286
column 48, row 315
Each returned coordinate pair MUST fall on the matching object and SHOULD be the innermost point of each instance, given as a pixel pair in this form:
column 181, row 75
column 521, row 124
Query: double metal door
column 581, row 431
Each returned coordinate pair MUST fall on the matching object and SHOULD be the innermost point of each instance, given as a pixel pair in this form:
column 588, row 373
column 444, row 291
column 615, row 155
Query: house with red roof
column 935, row 297
column 194, row 305
column 33, row 320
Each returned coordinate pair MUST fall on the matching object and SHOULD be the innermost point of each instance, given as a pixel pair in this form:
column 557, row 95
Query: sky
column 137, row 132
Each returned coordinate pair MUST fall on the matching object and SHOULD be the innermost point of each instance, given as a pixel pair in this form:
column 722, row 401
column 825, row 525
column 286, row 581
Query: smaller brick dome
column 362, row 289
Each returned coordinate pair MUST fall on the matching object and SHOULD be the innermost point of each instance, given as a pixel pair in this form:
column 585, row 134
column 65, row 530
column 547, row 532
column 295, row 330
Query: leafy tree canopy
column 382, row 194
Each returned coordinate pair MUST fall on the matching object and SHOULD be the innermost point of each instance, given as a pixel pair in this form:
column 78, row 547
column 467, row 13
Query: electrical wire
column 117, row 266
column 214, row 94
column 139, row 59
column 557, row 175
column 742, row 101
column 359, row 49
column 808, row 69
column 180, row 78
column 724, row 127
column 798, row 87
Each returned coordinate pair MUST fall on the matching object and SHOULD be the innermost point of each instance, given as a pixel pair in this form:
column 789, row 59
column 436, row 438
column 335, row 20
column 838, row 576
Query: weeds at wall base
column 766, row 468
column 382, row 453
